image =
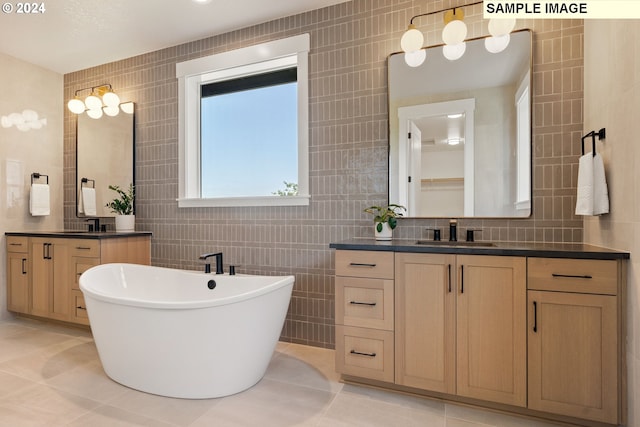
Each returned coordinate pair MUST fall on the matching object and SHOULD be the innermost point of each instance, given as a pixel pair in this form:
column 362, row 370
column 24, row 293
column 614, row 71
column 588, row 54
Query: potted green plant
column 385, row 220
column 122, row 206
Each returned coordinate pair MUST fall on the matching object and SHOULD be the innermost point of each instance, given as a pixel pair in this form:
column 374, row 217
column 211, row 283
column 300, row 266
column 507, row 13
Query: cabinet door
column 41, row 276
column 491, row 328
column 50, row 278
column 572, row 355
column 18, row 282
column 425, row 321
column 62, row 280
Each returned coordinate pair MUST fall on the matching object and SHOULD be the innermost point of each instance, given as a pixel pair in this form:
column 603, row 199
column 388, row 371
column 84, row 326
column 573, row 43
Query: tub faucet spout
column 207, row 266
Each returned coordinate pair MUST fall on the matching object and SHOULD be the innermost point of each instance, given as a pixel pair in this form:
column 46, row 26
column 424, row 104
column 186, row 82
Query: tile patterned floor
column 52, row 376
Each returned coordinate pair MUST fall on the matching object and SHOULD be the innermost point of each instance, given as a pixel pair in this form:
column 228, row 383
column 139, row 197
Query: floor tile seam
column 128, row 411
column 411, row 407
column 22, row 377
column 298, row 384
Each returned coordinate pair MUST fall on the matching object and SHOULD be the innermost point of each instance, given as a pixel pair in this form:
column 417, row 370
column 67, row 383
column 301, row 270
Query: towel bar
column 601, row 135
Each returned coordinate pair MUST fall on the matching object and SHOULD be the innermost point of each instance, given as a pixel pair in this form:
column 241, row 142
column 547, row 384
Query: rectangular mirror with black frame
column 460, row 132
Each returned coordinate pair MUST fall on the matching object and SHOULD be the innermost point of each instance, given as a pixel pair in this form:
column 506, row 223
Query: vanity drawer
column 79, row 308
column 366, row 353
column 85, row 248
column 593, row 276
column 364, row 264
column 367, row 303
column 17, row 244
column 81, row 265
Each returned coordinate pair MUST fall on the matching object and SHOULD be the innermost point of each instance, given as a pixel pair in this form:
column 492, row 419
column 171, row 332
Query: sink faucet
column 207, row 266
column 96, row 224
column 453, row 230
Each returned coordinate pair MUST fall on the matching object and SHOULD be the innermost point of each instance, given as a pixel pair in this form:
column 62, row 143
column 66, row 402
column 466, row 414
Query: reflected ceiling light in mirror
column 95, row 113
column 416, row 58
column 25, row 121
column 496, row 44
column 101, row 99
column 127, row 107
column 453, row 141
column 453, row 52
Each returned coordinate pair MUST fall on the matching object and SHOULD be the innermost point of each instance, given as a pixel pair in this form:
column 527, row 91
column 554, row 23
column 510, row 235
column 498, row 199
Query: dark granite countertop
column 78, row 234
column 546, row 250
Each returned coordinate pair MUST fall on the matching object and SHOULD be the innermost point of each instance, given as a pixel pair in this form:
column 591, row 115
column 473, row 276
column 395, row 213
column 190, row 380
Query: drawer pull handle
column 15, row 244
column 363, row 354
column 83, row 248
column 24, row 264
column 370, row 304
column 361, row 264
column 81, row 308
column 573, row 276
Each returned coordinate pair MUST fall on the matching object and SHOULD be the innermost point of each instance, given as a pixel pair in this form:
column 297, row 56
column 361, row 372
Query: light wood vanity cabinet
column 574, row 338
column 460, row 325
column 43, row 271
column 527, row 334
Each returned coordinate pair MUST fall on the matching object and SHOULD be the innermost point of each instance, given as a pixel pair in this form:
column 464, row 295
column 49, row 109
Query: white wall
column 612, row 101
column 26, row 86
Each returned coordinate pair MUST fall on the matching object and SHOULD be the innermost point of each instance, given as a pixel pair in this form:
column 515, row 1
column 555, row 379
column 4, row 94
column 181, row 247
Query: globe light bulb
column 93, row 102
column 76, row 106
column 412, row 39
column 454, row 32
column 500, row 27
column 110, row 99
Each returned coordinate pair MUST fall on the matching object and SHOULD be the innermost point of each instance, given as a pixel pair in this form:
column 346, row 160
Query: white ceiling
column 73, row 35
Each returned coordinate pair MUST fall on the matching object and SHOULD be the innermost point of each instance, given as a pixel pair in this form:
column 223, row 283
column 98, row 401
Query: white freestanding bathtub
column 164, row 331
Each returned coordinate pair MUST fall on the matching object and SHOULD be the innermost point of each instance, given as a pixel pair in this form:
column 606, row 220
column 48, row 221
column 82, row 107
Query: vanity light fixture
column 101, row 99
column 454, row 34
column 454, row 116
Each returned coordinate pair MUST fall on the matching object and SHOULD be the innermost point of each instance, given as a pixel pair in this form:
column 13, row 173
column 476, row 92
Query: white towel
column 39, row 203
column 592, row 197
column 89, row 201
column 600, row 192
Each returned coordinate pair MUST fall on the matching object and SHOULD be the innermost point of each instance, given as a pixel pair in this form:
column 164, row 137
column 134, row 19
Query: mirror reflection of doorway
column 438, row 158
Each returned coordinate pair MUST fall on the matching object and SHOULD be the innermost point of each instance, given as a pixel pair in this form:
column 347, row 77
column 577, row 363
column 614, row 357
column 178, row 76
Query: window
column 244, row 126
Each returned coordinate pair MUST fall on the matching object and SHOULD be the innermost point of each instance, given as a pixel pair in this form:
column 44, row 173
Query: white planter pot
column 385, row 234
column 125, row 223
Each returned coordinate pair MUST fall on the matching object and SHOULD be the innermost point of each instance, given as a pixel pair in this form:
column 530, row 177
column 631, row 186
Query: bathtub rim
column 90, row 292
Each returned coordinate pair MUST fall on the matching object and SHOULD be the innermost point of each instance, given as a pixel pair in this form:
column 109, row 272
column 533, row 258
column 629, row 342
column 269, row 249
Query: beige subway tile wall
column 350, row 43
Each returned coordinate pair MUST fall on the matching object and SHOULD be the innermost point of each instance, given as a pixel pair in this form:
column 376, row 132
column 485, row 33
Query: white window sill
column 245, row 201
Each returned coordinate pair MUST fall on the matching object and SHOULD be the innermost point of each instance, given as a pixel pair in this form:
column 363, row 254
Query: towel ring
column 86, row 181
column 37, row 175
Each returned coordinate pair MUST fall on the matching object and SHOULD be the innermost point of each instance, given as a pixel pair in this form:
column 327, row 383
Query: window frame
column 254, row 59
